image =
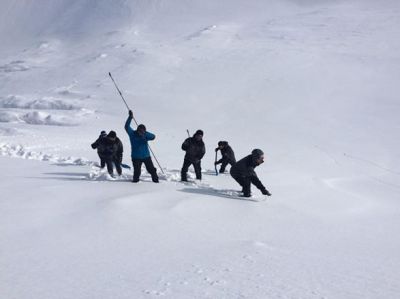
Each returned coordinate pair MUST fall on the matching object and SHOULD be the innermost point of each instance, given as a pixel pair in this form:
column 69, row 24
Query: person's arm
column 256, row 182
column 128, row 128
column 185, row 144
column 203, row 152
column 150, row 136
column 95, row 144
column 219, row 161
column 120, row 151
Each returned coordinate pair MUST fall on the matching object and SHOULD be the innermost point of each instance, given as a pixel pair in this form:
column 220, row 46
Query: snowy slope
column 312, row 83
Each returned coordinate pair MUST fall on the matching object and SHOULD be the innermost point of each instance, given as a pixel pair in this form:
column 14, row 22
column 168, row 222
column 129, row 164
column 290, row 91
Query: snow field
column 312, row 83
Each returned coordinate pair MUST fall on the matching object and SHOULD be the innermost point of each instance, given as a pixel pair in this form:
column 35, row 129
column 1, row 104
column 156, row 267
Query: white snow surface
column 315, row 84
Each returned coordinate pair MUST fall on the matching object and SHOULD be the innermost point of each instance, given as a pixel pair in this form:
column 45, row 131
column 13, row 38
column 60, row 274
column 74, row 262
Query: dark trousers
column 185, row 168
column 245, row 182
column 137, row 169
column 110, row 165
column 102, row 162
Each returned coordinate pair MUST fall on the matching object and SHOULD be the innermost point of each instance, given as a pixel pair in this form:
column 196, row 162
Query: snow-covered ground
column 312, row 83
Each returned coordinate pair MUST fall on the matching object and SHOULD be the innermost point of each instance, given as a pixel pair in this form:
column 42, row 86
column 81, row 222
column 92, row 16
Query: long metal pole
column 120, row 93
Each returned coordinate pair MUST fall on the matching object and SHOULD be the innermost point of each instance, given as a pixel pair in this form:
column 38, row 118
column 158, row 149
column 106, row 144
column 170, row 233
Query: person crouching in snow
column 140, row 150
column 195, row 150
column 228, row 156
column 243, row 172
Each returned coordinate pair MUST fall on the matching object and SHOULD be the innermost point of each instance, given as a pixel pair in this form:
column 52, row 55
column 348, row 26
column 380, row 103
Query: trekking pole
column 134, row 119
column 188, row 133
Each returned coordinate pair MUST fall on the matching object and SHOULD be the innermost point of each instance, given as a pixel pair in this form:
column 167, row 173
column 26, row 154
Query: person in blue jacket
column 140, row 150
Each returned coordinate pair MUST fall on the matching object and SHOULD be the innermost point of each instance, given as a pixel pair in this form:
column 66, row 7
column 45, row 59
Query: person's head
column 198, row 135
column 258, row 156
column 112, row 135
column 103, row 134
column 222, row 144
column 141, row 129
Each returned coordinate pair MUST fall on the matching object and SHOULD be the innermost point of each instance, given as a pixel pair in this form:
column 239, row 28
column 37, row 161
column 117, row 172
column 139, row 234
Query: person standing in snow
column 110, row 150
column 140, row 150
column 195, row 150
column 228, row 156
column 95, row 145
column 243, row 172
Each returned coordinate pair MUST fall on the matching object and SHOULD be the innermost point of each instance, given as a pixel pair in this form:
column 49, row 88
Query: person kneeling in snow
column 228, row 156
column 195, row 150
column 243, row 172
column 95, row 145
column 110, row 150
column 140, row 150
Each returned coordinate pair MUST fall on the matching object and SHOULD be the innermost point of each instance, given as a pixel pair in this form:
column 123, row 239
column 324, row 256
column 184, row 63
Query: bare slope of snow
column 105, row 239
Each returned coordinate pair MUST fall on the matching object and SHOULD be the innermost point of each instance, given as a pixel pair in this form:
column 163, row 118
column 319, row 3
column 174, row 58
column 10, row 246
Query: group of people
column 110, row 150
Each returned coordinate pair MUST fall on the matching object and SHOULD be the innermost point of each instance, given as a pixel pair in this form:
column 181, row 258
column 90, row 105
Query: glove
column 130, row 114
column 215, row 163
column 265, row 192
column 216, row 150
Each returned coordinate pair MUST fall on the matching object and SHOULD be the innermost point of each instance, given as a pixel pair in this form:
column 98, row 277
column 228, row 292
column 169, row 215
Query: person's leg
column 223, row 166
column 151, row 169
column 197, row 169
column 184, row 170
column 246, row 187
column 245, row 184
column 102, row 162
column 238, row 179
column 109, row 164
column 137, row 169
column 118, row 166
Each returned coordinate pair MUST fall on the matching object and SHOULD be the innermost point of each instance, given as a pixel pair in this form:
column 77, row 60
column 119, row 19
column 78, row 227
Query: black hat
column 222, row 143
column 199, row 132
column 103, row 133
column 257, row 153
column 112, row 134
column 141, row 127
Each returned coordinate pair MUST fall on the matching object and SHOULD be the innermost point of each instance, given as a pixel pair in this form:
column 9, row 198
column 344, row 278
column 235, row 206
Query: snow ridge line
column 95, row 173
column 18, row 151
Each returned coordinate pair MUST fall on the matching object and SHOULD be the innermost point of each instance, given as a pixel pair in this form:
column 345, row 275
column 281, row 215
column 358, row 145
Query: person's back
column 244, row 167
column 195, row 149
column 227, row 152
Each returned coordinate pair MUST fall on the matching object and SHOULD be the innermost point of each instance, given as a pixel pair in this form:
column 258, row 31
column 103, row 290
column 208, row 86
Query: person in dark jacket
column 95, row 145
column 195, row 150
column 110, row 150
column 140, row 150
column 228, row 156
column 243, row 172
